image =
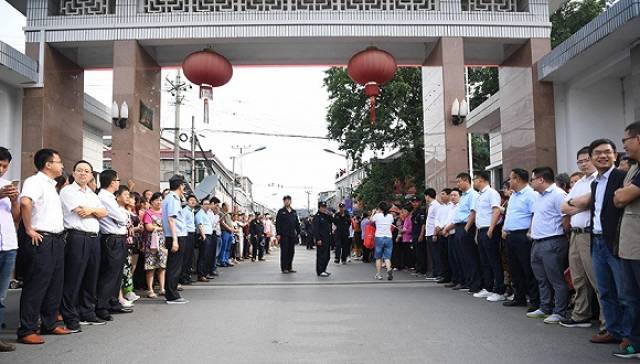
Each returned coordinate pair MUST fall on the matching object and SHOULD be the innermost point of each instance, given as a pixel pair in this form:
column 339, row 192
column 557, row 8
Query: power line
column 281, row 135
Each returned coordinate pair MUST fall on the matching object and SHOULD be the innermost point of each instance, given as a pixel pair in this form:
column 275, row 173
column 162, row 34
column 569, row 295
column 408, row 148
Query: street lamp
column 340, row 155
column 233, row 168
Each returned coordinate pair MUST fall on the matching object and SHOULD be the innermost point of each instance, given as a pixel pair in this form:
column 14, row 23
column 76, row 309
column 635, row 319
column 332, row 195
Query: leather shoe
column 450, row 285
column 604, row 338
column 104, row 316
column 514, row 304
column 121, row 310
column 443, row 281
column 31, row 339
column 203, row 279
column 59, row 330
column 292, row 271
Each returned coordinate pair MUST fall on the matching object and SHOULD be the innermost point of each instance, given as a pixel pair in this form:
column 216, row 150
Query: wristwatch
column 570, row 203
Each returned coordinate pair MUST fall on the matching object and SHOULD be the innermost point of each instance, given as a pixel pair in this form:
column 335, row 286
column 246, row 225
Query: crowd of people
column 566, row 247
column 77, row 249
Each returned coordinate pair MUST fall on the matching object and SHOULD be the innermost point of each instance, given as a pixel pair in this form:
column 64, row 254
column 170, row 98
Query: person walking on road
column 322, row 238
column 287, row 232
column 342, row 221
column 383, row 220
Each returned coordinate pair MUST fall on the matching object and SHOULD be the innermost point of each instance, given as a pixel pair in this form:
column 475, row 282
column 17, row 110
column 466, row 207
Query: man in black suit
column 322, row 238
column 605, row 219
column 287, row 233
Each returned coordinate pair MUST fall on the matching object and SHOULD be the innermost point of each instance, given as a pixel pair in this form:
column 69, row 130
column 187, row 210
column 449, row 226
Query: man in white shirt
column 9, row 216
column 448, row 232
column 113, row 252
column 431, row 233
column 441, row 223
column 44, row 250
column 580, row 262
column 214, row 214
column 81, row 210
column 486, row 213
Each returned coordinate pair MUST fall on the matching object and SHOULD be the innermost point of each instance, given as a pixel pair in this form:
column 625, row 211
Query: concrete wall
column 11, row 126
column 585, row 114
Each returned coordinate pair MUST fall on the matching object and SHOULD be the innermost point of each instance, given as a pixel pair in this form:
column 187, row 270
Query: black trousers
column 214, row 252
column 343, row 247
column 470, row 257
column 455, row 266
column 437, row 246
column 405, row 255
column 519, row 256
column 491, row 261
column 323, row 256
column 113, row 255
column 43, row 280
column 174, row 268
column 187, row 258
column 81, row 270
column 205, row 256
column 287, row 250
column 257, row 244
column 421, row 256
column 245, row 248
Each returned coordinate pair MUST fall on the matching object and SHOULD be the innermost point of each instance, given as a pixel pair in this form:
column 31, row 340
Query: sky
column 262, row 99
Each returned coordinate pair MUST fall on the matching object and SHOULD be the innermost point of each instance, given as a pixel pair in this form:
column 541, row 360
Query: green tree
column 399, row 126
column 483, row 82
column 572, row 16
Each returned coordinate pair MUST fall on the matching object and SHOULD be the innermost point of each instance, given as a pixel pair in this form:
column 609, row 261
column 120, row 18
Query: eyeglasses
column 534, row 178
column 624, row 140
column 583, row 161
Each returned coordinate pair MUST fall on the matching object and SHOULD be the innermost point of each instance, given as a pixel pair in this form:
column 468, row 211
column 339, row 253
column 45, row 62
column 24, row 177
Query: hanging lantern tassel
column 372, row 90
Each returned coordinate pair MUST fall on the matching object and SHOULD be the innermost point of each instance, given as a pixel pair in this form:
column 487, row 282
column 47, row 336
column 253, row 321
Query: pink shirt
column 407, row 226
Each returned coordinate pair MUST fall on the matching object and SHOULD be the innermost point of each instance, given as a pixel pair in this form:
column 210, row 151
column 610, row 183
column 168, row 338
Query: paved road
column 255, row 314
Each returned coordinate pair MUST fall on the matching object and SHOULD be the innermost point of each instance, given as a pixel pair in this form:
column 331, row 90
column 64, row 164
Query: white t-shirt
column 383, row 224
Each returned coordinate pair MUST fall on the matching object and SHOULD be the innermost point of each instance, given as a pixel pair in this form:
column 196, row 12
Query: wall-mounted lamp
column 459, row 111
column 119, row 116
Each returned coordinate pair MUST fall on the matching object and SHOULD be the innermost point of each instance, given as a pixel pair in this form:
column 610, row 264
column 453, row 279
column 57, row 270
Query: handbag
column 154, row 240
column 369, row 236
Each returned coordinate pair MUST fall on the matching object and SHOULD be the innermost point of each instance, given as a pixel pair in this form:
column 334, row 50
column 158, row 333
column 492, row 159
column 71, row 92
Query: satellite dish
column 206, row 187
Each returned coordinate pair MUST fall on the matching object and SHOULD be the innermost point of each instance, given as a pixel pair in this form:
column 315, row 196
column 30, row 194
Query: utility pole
column 177, row 87
column 308, row 192
column 193, row 152
column 233, row 171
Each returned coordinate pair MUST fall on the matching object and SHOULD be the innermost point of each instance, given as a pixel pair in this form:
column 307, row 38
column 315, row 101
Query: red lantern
column 207, row 68
column 372, row 68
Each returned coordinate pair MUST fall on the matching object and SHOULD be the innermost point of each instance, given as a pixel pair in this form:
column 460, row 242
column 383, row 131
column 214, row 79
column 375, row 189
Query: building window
column 81, row 7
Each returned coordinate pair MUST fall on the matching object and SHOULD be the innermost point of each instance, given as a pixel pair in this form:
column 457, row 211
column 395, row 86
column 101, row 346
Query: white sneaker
column 131, row 296
column 179, row 301
column 378, row 276
column 537, row 314
column 553, row 319
column 482, row 294
column 510, row 298
column 126, row 303
column 495, row 297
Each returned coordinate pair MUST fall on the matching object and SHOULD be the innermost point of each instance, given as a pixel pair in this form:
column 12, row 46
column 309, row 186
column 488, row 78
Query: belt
column 548, row 238
column 114, row 235
column 460, row 223
column 53, row 235
column 598, row 235
column 521, row 231
column 578, row 230
column 83, row 233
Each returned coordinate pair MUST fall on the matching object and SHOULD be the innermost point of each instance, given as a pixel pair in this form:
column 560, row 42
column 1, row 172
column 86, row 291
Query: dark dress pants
column 174, row 268
column 519, row 254
column 43, row 280
column 437, row 245
column 205, row 256
column 113, row 255
column 187, row 258
column 490, row 250
column 257, row 244
column 421, row 256
column 287, row 250
column 454, row 261
column 470, row 257
column 323, row 256
column 81, row 269
column 343, row 247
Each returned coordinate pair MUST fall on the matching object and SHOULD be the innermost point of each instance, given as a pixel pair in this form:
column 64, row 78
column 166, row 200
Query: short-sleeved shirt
column 46, row 215
column 72, row 197
column 189, row 219
column 487, row 199
column 226, row 218
column 581, row 188
column 171, row 208
column 547, row 216
column 383, row 224
column 117, row 219
column 8, row 237
column 432, row 218
column 215, row 222
column 202, row 218
column 520, row 209
column 152, row 217
column 629, row 247
column 467, row 200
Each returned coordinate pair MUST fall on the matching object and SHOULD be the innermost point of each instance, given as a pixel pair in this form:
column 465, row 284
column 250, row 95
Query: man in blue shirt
column 465, row 235
column 175, row 232
column 189, row 246
column 550, row 247
column 516, row 226
column 204, row 227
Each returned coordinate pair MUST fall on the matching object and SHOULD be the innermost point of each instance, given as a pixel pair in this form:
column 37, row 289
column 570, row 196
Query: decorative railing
column 85, row 7
column 499, row 6
column 172, row 6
